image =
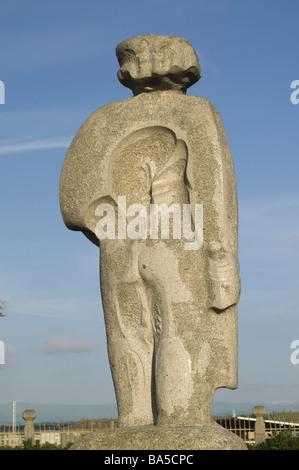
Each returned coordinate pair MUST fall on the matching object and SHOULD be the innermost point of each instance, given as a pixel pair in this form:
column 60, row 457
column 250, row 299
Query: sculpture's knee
column 131, row 366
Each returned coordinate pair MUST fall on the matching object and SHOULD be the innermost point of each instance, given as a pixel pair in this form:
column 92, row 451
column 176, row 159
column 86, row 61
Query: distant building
column 244, row 426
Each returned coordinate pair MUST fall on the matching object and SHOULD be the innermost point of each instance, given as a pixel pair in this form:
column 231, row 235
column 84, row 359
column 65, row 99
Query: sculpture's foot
column 209, row 437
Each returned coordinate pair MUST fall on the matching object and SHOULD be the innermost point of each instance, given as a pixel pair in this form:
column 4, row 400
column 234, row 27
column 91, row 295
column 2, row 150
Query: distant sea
column 51, row 413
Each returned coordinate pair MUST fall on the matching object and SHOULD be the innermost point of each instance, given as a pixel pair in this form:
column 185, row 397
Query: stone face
column 170, row 303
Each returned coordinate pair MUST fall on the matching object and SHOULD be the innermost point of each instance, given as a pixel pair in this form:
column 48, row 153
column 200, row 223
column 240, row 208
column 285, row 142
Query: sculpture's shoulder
column 84, row 168
column 107, row 109
column 97, row 131
column 198, row 101
column 111, row 118
column 189, row 111
column 208, row 121
column 202, row 106
column 102, row 117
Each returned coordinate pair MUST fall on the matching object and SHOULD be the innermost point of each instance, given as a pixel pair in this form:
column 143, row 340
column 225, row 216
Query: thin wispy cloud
column 37, row 303
column 65, row 345
column 45, row 144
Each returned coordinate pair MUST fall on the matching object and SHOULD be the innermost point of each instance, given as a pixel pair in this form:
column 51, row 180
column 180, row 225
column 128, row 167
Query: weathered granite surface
column 160, row 438
column 260, row 427
column 29, row 431
column 170, row 303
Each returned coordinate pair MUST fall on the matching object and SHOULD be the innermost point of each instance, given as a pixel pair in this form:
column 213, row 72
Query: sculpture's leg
column 129, row 332
column 184, row 389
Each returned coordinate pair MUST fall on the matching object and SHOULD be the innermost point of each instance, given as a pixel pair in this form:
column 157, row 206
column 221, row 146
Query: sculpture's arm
column 83, row 175
column 223, row 265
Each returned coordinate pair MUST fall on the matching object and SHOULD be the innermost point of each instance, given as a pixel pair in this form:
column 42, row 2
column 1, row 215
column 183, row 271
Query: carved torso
column 161, row 301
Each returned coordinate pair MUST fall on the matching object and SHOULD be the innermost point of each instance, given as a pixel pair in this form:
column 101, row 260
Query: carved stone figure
column 170, row 303
column 260, row 427
column 29, row 432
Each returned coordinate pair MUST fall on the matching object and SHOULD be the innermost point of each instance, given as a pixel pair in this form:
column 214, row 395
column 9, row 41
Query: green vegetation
column 284, row 440
column 27, row 445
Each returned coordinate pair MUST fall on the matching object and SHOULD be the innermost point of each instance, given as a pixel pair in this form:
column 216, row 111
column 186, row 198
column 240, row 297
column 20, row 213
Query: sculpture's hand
column 224, row 281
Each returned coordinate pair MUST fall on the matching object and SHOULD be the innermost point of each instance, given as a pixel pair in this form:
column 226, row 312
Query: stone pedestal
column 209, row 437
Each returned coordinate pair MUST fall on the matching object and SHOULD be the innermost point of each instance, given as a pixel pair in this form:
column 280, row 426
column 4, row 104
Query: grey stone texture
column 29, row 432
column 152, row 63
column 170, row 312
column 260, row 427
column 149, row 438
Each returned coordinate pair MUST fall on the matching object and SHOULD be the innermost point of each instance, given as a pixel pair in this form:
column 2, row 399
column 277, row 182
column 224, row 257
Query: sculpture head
column 29, row 415
column 151, row 63
column 259, row 411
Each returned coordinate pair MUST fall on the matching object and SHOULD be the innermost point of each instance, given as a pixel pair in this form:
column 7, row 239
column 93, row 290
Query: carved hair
column 151, row 63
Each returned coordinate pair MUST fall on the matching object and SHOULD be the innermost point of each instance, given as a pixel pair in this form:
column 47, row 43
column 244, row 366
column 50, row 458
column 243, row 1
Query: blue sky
column 58, row 64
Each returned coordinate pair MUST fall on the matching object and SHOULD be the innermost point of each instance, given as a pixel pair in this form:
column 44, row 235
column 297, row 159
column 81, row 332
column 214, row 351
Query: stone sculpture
column 170, row 302
column 29, row 432
column 260, row 427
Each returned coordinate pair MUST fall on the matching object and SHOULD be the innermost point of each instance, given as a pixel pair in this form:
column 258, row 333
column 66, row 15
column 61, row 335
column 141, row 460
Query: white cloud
column 38, row 303
column 18, row 147
column 63, row 344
